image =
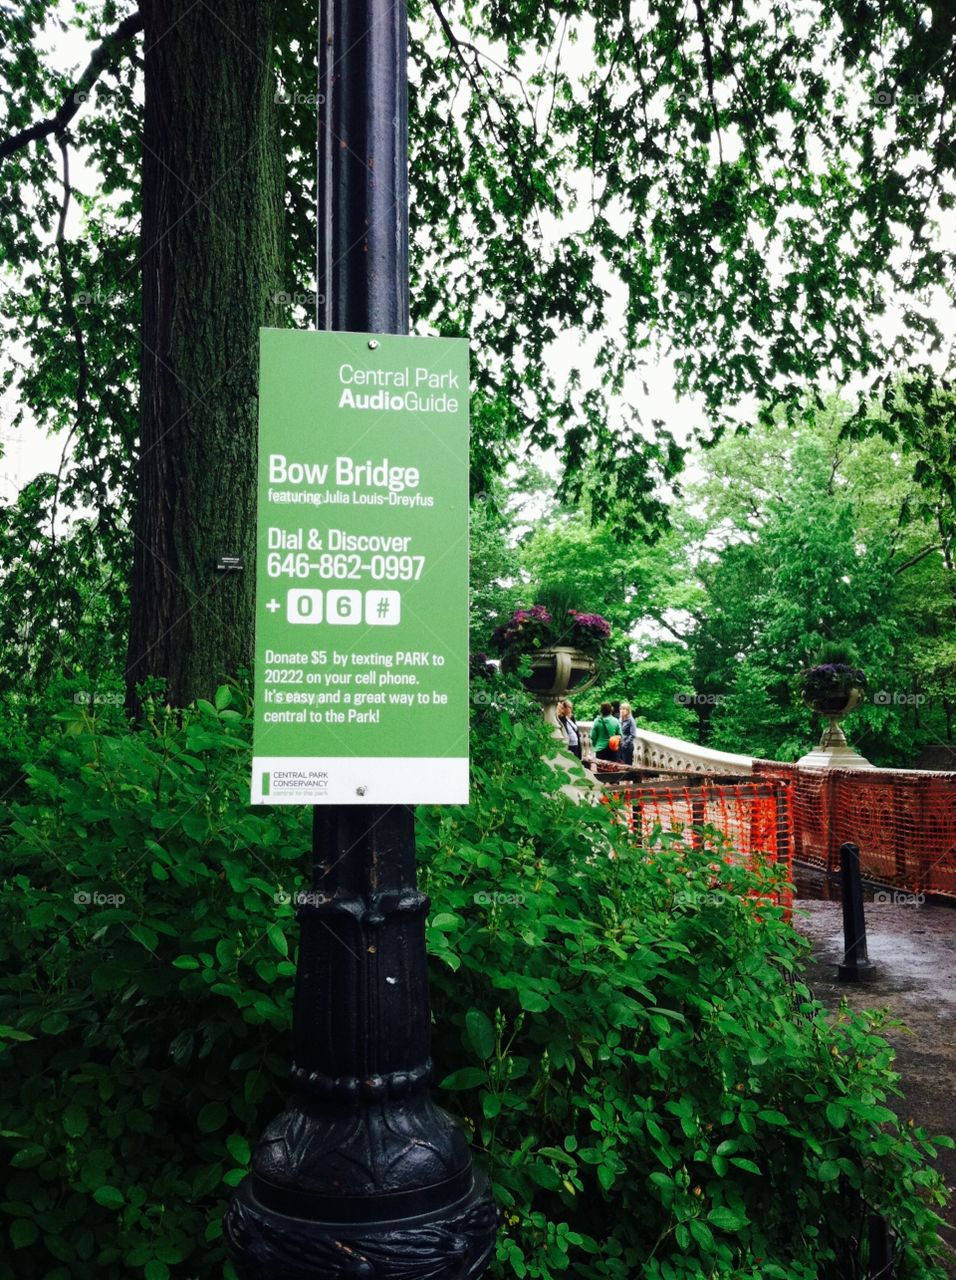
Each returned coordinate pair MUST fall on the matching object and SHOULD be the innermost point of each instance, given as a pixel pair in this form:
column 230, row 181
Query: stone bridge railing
column 658, row 751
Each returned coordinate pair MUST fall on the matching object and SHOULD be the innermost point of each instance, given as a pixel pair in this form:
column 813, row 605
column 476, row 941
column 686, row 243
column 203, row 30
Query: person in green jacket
column 605, row 728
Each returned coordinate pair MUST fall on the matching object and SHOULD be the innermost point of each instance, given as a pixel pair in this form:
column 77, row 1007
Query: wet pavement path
column 913, row 950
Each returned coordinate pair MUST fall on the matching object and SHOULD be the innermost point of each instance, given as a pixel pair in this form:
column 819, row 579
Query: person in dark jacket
column 628, row 734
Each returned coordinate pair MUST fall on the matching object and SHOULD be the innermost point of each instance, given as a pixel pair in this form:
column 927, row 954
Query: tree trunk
column 211, row 262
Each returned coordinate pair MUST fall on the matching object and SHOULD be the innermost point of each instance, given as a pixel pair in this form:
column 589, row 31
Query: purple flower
column 828, row 679
column 592, row 622
column 529, row 630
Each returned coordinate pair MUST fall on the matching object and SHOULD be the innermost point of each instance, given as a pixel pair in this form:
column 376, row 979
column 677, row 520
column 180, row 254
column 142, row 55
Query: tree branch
column 921, row 555
column 458, row 48
column 56, row 124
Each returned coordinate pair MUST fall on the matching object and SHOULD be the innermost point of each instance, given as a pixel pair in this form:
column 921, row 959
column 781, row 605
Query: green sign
column 361, row 667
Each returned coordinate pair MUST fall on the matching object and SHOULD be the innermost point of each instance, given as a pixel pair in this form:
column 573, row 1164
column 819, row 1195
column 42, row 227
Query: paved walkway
column 914, row 950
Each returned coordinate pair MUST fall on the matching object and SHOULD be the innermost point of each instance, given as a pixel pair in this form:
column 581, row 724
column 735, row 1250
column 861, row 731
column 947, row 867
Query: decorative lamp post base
column 455, row 1242
column 362, row 1176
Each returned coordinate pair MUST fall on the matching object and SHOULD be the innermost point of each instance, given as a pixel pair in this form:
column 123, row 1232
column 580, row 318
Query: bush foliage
column 617, row 1027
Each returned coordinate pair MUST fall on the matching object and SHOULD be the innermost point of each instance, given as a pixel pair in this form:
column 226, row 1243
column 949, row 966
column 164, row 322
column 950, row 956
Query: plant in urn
column 833, row 687
column 552, row 647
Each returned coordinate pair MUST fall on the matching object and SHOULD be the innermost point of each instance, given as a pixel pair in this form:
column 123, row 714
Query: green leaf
column 156, row 1270
column 773, row 1117
column 465, row 1078
column 836, row 1114
column 28, row 1157
column 238, row 1148
column 23, row 1233
column 196, row 826
column 75, row 1121
column 278, row 939
column 55, row 1024
column 109, row 1197
column 14, row 1033
column 480, row 1032
column 702, row 1234
column 186, row 962
column 532, row 1000
column 144, row 936
column 445, row 922
column 726, row 1219
column 212, row 1116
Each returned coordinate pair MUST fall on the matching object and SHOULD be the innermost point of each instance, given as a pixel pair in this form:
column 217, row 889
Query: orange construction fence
column 754, row 815
column 902, row 820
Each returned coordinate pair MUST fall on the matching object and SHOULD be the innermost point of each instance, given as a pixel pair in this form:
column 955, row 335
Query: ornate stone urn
column 556, row 672
column 834, row 752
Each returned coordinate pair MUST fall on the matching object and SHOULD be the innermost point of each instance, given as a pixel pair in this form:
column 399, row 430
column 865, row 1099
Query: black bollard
column 855, row 965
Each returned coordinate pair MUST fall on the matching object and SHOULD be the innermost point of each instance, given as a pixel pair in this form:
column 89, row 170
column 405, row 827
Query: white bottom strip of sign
column 347, row 780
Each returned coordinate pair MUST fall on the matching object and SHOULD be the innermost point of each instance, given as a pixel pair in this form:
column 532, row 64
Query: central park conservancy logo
column 316, row 782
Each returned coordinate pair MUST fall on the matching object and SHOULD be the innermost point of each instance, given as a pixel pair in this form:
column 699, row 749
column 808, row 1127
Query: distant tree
column 819, row 538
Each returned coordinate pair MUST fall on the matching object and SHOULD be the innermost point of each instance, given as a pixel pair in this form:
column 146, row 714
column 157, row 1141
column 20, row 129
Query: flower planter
column 838, row 705
column 556, row 672
column 834, row 752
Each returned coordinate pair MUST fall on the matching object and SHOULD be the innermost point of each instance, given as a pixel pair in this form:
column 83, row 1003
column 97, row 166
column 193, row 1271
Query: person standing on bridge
column 606, row 734
column 628, row 734
column 568, row 726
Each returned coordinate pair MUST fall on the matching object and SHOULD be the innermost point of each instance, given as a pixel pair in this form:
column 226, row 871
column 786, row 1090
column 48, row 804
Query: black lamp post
column 362, row 1175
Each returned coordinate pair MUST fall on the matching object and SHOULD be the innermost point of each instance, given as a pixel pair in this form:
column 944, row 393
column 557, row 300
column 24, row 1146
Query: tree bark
column 211, row 263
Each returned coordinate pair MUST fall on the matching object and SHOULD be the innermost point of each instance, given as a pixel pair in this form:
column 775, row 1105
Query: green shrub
column 617, row 1032
column 654, row 1094
column 146, row 1039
